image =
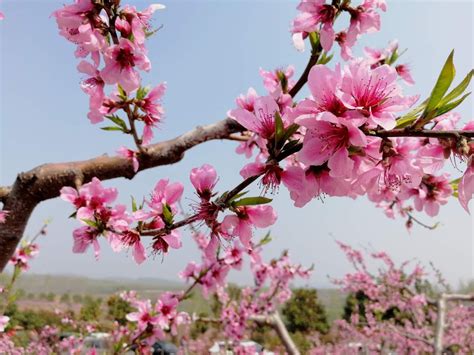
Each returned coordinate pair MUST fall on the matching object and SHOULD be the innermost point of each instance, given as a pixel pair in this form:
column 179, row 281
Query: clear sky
column 209, row 52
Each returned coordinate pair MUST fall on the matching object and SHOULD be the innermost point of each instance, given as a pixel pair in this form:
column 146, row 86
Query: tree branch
column 315, row 53
column 428, row 133
column 44, row 182
column 273, row 320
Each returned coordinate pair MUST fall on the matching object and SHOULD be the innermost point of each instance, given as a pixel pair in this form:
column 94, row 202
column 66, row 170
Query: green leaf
column 278, row 126
column 411, row 116
column 134, row 204
column 458, row 90
column 117, row 120
column 405, row 121
column 265, row 240
column 167, row 214
column 325, row 58
column 314, row 39
column 442, row 85
column 455, row 181
column 251, row 201
column 112, row 128
column 393, row 58
column 283, row 80
column 239, row 195
column 142, row 92
column 90, row 222
column 151, row 33
column 451, row 106
column 455, row 185
column 121, row 91
column 289, row 132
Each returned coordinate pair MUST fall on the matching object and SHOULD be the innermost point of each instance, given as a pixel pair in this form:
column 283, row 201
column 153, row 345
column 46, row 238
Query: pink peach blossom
column 241, row 224
column 262, row 120
column 130, row 155
column 121, row 61
column 374, row 94
column 403, row 70
column 466, row 186
column 204, row 180
column 315, row 14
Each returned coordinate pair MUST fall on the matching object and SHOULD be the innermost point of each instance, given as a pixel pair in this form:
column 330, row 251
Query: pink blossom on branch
column 365, row 18
column 403, row 70
column 162, row 244
column 83, row 238
column 24, row 254
column 130, row 155
column 316, row 14
column 144, row 316
column 466, row 186
column 327, row 139
column 247, row 217
column 204, row 180
column 153, row 111
column 92, row 86
column 433, row 192
column 165, row 194
column 278, row 79
column 121, row 64
column 261, row 120
column 81, row 24
column 374, row 94
column 135, row 23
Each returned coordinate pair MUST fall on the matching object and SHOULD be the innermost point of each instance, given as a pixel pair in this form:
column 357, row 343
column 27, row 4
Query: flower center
column 125, row 58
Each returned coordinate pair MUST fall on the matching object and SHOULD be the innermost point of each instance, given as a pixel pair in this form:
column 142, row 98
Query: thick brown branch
column 45, row 181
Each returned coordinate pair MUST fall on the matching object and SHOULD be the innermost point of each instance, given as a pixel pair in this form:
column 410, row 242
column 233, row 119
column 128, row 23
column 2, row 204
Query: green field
column 38, row 284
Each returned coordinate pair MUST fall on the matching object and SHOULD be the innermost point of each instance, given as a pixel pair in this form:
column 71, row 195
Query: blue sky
column 209, row 52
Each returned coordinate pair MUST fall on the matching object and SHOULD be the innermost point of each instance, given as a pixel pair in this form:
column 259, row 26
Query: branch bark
column 45, row 181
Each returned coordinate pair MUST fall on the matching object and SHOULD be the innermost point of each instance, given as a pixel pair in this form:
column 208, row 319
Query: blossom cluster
column 95, row 210
column 110, row 41
column 23, row 255
column 155, row 217
column 148, row 323
column 319, row 17
column 331, row 143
